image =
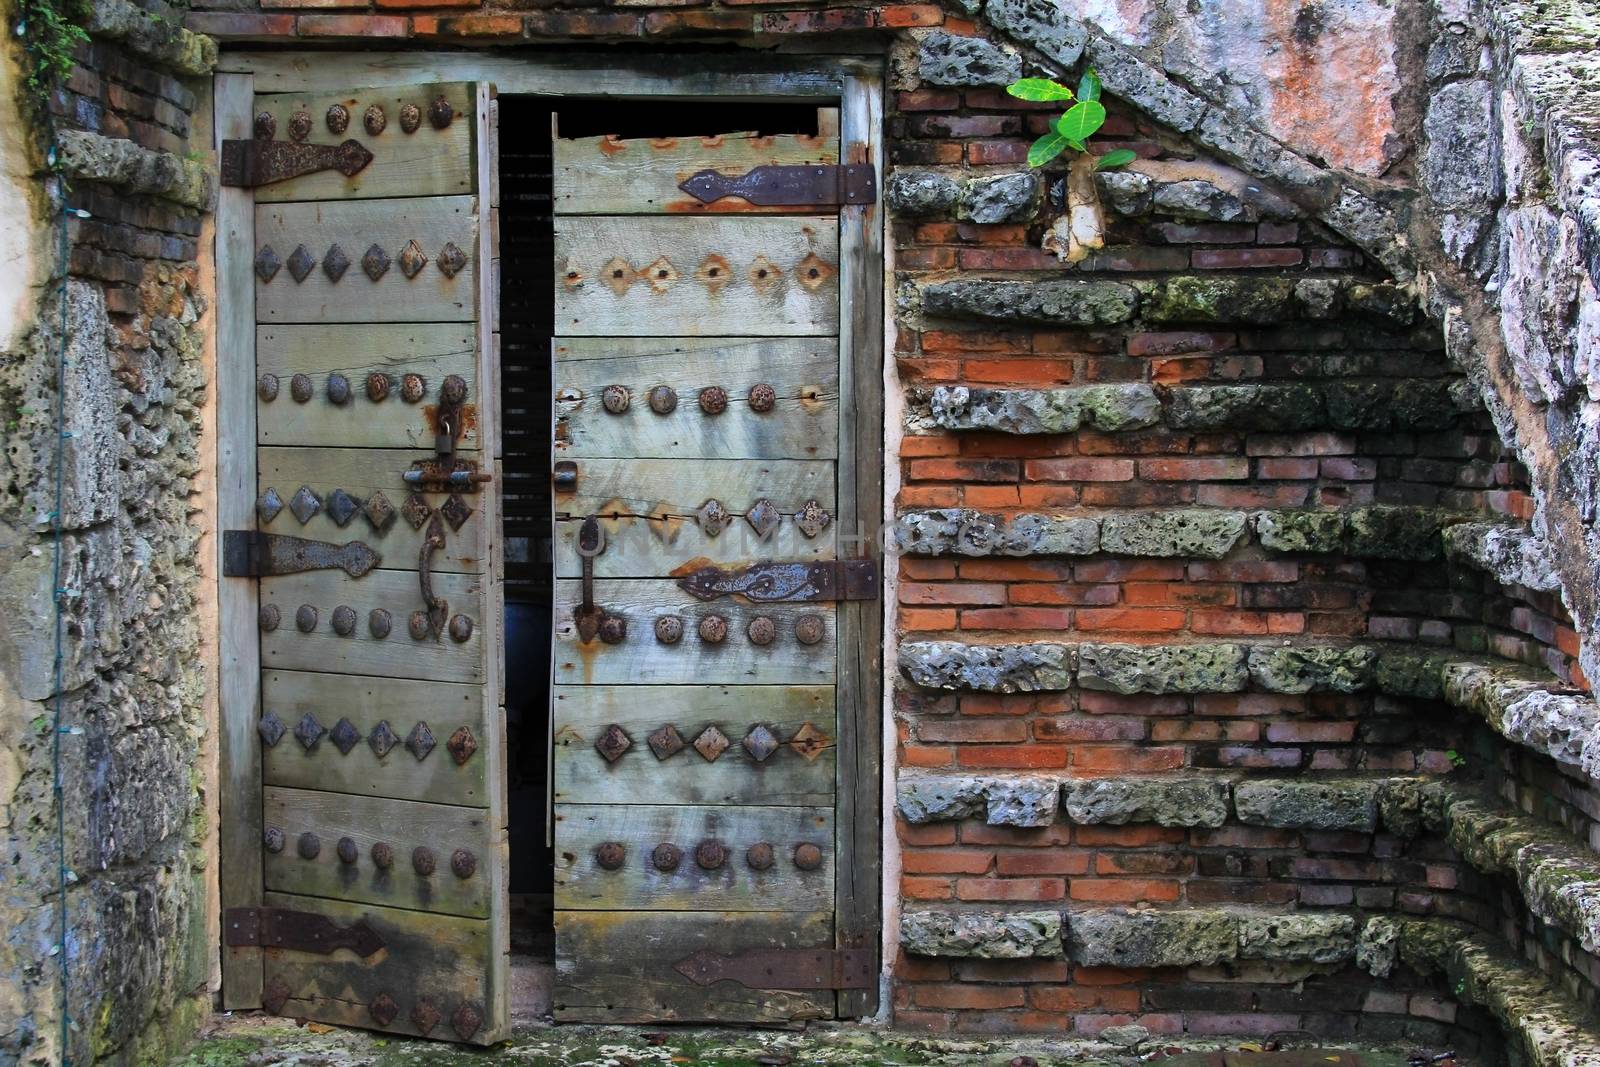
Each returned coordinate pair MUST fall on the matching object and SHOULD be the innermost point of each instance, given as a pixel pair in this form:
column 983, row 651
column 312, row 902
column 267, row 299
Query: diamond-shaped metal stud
column 383, row 1009
column 461, row 745
column 660, row 274
column 420, row 741
column 713, row 518
column 617, row 274
column 342, row 507
column 666, row 742
column 345, row 736
column 383, row 738
column 714, row 273
column 412, row 259
column 814, row 272
column 375, row 264
column 335, row 263
column 308, row 731
column 763, row 517
column 269, row 505
column 809, row 741
column 267, row 264
column 425, row 1015
column 305, row 504
column 764, row 274
column 416, row 510
column 613, row 742
column 379, row 512
column 760, row 743
column 300, row 262
column 812, row 519
column 271, row 729
column 451, row 259
column 711, row 743
column 466, row 1021
column 456, row 511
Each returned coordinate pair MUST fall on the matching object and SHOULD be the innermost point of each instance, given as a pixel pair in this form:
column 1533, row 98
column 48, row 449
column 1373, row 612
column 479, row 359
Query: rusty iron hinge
column 301, row 931
column 262, row 161
column 253, row 554
column 784, row 968
column 776, row 185
column 819, row 582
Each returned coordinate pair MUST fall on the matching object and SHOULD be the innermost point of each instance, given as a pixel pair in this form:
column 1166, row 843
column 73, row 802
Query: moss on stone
column 1384, row 531
column 1299, row 530
column 1219, row 299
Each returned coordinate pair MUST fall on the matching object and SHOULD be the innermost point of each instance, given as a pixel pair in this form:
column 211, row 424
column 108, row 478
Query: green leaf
column 1120, row 157
column 1045, row 149
column 1089, row 85
column 1076, row 146
column 1081, row 120
column 1038, row 89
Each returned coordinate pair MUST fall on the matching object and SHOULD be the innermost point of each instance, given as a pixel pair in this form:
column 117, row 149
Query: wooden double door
column 703, row 715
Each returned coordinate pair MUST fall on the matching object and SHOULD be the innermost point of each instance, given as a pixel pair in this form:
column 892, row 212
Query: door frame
column 856, row 84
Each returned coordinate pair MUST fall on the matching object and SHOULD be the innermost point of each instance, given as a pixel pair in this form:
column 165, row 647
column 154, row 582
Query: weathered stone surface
column 1410, row 673
column 1204, row 533
column 1300, row 530
column 921, row 193
column 161, row 39
column 1022, row 801
column 1311, row 668
column 1389, row 532
column 1308, row 803
column 987, row 668
column 1559, row 724
column 1408, row 405
column 1309, row 936
column 1408, row 806
column 985, row 935
column 946, row 59
column 1110, row 408
column 925, row 798
column 1210, row 668
column 1378, row 947
column 1163, row 801
column 133, row 169
column 1127, row 192
column 1041, row 24
column 1240, row 408
column 1066, row 303
column 1000, row 198
column 1458, row 168
column 1218, row 299
column 1198, row 199
column 964, row 532
column 1511, row 554
column 1178, row 937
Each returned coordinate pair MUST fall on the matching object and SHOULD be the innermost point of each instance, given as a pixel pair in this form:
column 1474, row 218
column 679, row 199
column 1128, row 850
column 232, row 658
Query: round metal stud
column 615, row 399
column 713, row 400
column 709, row 855
column 663, row 400
column 422, row 860
column 338, row 388
column 383, row 855
column 299, row 125
column 410, row 118
column 300, row 388
column 669, row 629
column 378, row 386
column 762, row 397
column 613, row 628
column 762, row 630
column 374, row 120
column 759, row 856
column 379, row 623
column 713, row 629
column 610, row 855
column 344, row 620
column 417, row 625
column 460, row 628
column 463, row 863
column 412, row 388
column 309, row 846
column 453, row 390
column 807, row 857
column 305, row 618
column 269, row 617
column 267, row 387
column 666, row 857
column 440, row 112
column 265, row 125
column 337, row 118
column 347, row 850
column 272, row 839
column 809, row 629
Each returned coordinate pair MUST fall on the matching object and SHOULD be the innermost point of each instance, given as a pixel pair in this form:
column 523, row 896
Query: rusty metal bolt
column 610, row 855
column 615, row 399
column 272, row 838
column 379, row 623
column 669, row 629
column 809, row 629
column 807, row 857
column 666, row 857
column 440, row 112
column 412, row 388
column 267, row 387
column 453, row 390
column 713, row 629
column 410, row 118
column 759, row 856
column 300, row 388
column 417, row 625
column 300, row 125
column 305, row 618
column 709, row 855
column 663, row 400
column 344, row 620
column 378, row 386
column 460, row 628
column 762, row 398
column 337, row 118
column 309, row 846
column 613, row 628
column 265, row 125
column 762, row 630
column 338, row 389
column 422, row 860
column 269, row 617
column 713, row 400
column 347, row 850
column 383, row 855
column 374, row 120
column 463, row 863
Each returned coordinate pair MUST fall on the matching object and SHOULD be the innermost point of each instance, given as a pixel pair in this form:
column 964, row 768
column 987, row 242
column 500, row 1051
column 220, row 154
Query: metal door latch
column 263, row 161
column 770, row 582
column 780, row 185
column 591, row 619
column 253, row 554
column 300, row 931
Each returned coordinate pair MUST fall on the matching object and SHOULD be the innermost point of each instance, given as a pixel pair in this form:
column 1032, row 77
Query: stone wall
column 123, row 334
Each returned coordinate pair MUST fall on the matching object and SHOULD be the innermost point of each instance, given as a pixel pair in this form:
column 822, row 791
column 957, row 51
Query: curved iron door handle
column 437, row 608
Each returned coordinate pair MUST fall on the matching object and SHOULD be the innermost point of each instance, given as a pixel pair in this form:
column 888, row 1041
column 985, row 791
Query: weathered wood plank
column 616, row 176
column 786, row 777
column 367, row 702
column 442, row 959
column 802, row 372
column 363, row 472
column 432, row 350
column 403, row 825
column 647, row 511
column 396, row 656
column 653, row 276
column 433, row 222
column 642, row 660
column 734, row 885
column 425, row 162
column 606, row 974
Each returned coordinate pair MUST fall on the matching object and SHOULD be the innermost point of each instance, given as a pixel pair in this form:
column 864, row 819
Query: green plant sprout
column 1075, row 126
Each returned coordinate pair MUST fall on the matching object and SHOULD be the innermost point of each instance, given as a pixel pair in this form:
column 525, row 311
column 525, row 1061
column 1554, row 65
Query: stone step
column 1508, row 552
